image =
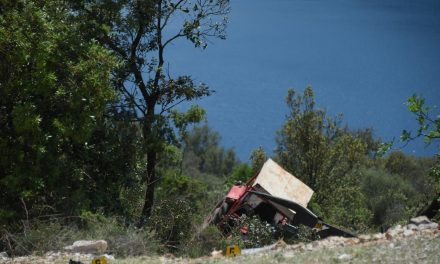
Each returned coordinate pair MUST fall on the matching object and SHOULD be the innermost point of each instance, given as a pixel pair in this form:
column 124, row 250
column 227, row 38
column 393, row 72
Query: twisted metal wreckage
column 277, row 197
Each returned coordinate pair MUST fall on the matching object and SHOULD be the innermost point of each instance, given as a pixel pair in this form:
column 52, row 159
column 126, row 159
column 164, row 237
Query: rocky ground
column 417, row 242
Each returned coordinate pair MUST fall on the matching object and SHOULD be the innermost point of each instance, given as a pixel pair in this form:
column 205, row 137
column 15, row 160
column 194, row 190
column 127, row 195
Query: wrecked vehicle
column 275, row 196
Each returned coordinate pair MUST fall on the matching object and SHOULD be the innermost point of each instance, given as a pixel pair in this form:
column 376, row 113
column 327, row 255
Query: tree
column 54, row 86
column 429, row 129
column 258, row 158
column 139, row 34
column 325, row 156
column 202, row 153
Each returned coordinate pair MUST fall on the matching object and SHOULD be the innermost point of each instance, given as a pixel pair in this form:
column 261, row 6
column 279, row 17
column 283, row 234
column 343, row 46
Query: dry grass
column 417, row 249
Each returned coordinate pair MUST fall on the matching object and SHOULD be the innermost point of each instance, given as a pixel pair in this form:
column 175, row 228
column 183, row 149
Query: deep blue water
column 363, row 58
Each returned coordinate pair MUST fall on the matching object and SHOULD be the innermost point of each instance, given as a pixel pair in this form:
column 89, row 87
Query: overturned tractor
column 275, row 196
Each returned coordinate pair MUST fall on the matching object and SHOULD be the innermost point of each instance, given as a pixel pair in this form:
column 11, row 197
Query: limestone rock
column 420, row 220
column 4, row 255
column 87, row 246
column 392, row 233
column 379, row 236
column 408, row 232
column 365, row 238
column 216, row 253
column 430, row 225
column 411, row 227
column 344, row 257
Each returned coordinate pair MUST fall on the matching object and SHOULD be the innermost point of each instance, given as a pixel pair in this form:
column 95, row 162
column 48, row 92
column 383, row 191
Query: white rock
column 107, row 256
column 379, row 236
column 216, row 253
column 390, row 234
column 430, row 225
column 408, row 232
column 411, row 227
column 397, row 228
column 420, row 220
column 4, row 255
column 344, row 257
column 365, row 238
column 87, row 246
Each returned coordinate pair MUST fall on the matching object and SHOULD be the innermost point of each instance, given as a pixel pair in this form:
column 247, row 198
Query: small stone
column 216, row 253
column 365, row 238
column 107, row 256
column 171, row 256
column 344, row 257
column 390, row 234
column 397, row 228
column 379, row 236
column 408, row 232
column 412, row 227
column 420, row 220
column 428, row 226
column 353, row 240
column 299, row 246
column 4, row 255
column 309, row 247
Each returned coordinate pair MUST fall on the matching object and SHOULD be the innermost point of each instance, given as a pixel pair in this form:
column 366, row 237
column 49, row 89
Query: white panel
column 280, row 183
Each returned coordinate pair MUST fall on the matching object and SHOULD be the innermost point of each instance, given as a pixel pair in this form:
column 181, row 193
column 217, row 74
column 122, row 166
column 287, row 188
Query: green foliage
column 174, row 184
column 391, row 198
column 139, row 33
column 240, row 173
column 303, row 234
column 258, row 158
column 172, row 221
column 202, row 153
column 429, row 128
column 259, row 233
column 325, row 156
column 54, row 87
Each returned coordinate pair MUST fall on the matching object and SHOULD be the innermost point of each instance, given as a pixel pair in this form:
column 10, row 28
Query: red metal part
column 236, row 192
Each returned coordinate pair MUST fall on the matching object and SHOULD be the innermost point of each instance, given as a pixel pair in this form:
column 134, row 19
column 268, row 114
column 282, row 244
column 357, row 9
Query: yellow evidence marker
column 100, row 260
column 232, row 251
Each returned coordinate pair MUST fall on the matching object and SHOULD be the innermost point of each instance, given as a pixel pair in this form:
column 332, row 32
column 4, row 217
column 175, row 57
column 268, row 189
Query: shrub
column 40, row 236
column 172, row 221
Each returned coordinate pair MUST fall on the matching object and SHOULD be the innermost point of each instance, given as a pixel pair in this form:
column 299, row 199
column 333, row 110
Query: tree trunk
column 151, row 150
column 150, row 184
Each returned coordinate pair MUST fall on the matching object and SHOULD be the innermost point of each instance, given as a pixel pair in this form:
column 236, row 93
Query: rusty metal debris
column 275, row 196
